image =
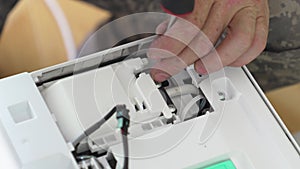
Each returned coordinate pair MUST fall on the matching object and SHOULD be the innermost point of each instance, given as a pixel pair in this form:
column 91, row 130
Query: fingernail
column 160, row 77
column 201, row 70
column 160, row 31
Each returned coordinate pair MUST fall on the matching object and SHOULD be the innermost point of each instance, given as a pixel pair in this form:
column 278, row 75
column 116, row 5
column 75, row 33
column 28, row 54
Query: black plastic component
column 111, row 160
column 171, row 120
column 41, row 82
column 123, row 118
column 204, row 106
column 165, row 83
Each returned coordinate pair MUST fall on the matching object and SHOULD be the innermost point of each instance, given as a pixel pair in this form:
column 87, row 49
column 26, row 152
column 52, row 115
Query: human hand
column 245, row 21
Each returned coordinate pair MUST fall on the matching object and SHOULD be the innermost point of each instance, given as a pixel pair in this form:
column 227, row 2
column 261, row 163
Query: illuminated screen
column 228, row 164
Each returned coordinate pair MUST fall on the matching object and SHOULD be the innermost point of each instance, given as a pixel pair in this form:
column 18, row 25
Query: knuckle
column 239, row 63
column 222, row 6
column 244, row 40
column 252, row 13
column 261, row 44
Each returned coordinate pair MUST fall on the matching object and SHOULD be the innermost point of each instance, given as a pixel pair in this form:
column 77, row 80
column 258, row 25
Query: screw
column 222, row 96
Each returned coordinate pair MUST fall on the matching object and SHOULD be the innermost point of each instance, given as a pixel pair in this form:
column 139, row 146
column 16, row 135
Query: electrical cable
column 95, row 126
column 126, row 151
column 202, row 104
column 123, row 124
column 182, row 90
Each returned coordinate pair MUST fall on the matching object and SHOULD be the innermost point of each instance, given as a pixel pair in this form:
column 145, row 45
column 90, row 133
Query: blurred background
column 33, row 35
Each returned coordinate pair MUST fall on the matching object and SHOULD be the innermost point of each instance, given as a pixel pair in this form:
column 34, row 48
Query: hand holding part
column 192, row 38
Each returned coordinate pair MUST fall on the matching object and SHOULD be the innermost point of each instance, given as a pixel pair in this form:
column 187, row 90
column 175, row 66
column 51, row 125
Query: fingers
column 181, row 33
column 214, row 26
column 174, row 39
column 199, row 47
column 246, row 38
column 216, row 22
column 167, row 67
column 200, row 14
column 258, row 44
column 154, row 51
column 161, row 28
column 260, row 39
column 172, row 47
column 241, row 31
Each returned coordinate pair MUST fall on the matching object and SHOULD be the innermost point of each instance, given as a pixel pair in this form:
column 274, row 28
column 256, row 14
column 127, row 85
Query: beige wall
column 286, row 101
column 31, row 38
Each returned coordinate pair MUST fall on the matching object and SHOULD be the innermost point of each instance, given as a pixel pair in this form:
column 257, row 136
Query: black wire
column 126, row 152
column 94, row 127
column 97, row 125
column 123, row 123
column 124, row 130
column 202, row 104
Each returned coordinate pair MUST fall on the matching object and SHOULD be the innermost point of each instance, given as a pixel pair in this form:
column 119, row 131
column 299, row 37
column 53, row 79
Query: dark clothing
column 5, row 7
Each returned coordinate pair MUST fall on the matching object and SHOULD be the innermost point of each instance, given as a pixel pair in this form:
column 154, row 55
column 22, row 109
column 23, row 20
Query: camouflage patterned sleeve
column 279, row 65
column 284, row 32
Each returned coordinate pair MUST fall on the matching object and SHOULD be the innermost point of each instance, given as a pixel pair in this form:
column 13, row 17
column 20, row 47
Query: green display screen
column 228, row 164
column 222, row 165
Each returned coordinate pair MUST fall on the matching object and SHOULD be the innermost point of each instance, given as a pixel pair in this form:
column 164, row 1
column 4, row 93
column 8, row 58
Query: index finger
column 174, row 40
column 181, row 33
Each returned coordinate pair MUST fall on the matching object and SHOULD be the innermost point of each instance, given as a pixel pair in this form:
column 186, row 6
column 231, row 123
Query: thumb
column 162, row 28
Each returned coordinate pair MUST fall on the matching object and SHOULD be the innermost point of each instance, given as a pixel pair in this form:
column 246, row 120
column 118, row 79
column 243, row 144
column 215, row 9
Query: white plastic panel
column 241, row 129
column 29, row 126
column 81, row 100
column 8, row 155
column 21, row 112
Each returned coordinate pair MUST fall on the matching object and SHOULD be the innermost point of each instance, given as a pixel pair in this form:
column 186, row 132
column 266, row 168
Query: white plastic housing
column 30, row 139
column 81, row 100
column 241, row 129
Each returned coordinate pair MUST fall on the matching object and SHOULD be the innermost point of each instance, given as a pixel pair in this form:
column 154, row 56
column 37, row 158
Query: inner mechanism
column 152, row 106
